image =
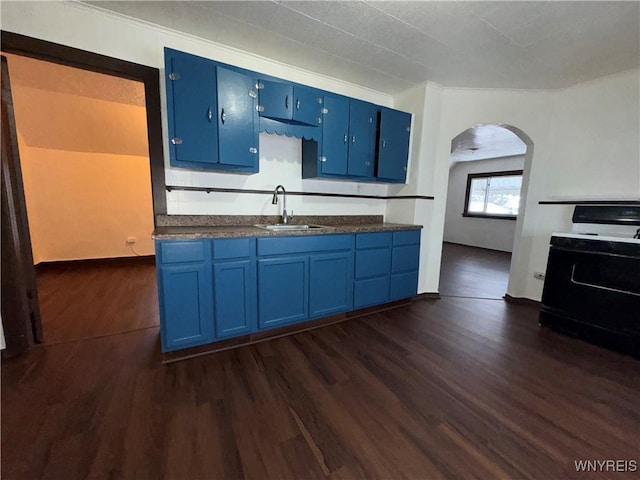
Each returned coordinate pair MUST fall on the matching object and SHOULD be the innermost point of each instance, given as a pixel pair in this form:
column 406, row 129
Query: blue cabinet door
column 276, row 100
column 393, row 146
column 371, row 291
column 238, row 137
column 403, row 285
column 283, row 290
column 191, row 108
column 186, row 307
column 335, row 136
column 234, row 298
column 363, row 119
column 405, row 260
column 330, row 283
column 307, row 105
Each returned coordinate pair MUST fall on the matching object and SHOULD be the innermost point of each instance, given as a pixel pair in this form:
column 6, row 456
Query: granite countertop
column 171, row 227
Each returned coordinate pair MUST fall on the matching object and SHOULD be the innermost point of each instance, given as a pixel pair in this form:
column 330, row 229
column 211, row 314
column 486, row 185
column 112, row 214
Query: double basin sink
column 287, row 227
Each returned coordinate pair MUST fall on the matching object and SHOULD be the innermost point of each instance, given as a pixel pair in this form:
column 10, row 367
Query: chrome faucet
column 274, row 201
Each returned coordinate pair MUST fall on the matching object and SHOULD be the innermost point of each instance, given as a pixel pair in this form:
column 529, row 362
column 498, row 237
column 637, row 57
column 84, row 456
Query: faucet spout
column 274, row 201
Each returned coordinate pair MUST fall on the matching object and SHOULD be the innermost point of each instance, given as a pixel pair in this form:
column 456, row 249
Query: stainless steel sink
column 286, row 227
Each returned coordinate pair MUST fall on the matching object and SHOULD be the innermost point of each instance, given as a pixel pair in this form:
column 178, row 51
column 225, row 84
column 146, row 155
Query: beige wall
column 85, row 164
column 85, row 205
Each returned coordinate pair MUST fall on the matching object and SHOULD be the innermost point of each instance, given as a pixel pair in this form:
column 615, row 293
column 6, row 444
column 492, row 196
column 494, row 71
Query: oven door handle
column 599, row 287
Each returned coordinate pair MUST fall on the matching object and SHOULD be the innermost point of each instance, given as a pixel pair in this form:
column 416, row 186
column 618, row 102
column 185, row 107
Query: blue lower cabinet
column 403, row 285
column 234, row 298
column 405, row 258
column 371, row 291
column 186, row 306
column 331, row 284
column 283, row 290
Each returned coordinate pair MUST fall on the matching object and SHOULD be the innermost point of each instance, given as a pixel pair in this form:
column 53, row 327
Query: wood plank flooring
column 473, row 272
column 90, row 299
column 453, row 388
column 449, row 388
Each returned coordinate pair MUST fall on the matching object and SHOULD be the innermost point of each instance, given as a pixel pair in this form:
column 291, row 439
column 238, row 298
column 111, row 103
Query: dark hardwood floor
column 473, row 272
column 449, row 388
column 91, row 299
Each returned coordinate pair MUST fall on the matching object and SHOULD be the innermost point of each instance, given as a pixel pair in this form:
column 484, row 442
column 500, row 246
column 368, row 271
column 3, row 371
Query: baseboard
column 426, row 296
column 258, row 337
column 521, row 300
column 94, row 262
column 479, row 248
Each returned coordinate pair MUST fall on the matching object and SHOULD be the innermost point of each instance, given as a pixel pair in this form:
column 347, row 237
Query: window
column 493, row 195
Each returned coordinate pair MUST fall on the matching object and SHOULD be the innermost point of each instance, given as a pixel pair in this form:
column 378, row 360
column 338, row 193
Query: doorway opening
column 485, row 204
column 84, row 157
column 21, row 319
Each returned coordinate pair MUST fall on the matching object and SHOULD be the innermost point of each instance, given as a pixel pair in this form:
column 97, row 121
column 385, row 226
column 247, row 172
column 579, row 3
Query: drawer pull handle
column 599, row 287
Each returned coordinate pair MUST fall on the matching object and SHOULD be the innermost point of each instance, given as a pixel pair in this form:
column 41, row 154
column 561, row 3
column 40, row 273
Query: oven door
column 594, row 287
column 592, row 290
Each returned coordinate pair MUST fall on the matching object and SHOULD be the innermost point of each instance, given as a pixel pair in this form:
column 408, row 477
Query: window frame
column 467, row 194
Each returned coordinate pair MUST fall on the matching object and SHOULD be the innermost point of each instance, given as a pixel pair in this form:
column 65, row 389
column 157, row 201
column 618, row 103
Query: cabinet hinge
column 174, row 76
column 409, row 129
column 260, row 108
column 325, row 111
column 176, row 141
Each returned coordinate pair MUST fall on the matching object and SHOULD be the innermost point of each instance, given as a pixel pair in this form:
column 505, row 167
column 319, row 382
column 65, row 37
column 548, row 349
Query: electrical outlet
column 131, row 240
column 538, row 275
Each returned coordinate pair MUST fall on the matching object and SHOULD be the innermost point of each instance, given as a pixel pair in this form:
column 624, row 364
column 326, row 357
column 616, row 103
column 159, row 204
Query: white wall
column 586, row 142
column 280, row 160
column 492, row 233
column 585, row 138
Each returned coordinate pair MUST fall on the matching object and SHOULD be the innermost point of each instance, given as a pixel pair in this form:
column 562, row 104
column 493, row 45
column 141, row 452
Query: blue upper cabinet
column 347, row 147
column 276, row 100
column 192, row 103
column 363, row 119
column 212, row 115
column 238, row 137
column 307, row 106
column 215, row 112
column 290, row 103
column 393, row 145
column 335, row 136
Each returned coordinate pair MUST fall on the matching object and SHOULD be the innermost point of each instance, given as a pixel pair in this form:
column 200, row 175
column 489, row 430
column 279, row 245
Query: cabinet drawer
column 371, row 291
column 373, row 262
column 403, row 285
column 232, row 248
column 316, row 243
column 405, row 258
column 407, row 237
column 182, row 251
column 371, row 240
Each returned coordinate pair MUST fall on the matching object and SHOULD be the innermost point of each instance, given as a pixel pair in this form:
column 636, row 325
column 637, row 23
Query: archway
column 486, row 203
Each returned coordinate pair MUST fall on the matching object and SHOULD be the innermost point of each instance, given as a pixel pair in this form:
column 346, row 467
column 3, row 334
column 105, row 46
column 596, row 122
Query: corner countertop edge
column 240, row 231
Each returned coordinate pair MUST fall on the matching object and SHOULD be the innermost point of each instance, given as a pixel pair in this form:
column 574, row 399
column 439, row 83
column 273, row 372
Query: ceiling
column 394, row 45
column 486, row 141
column 65, row 108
